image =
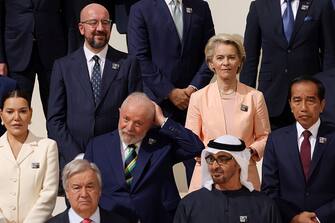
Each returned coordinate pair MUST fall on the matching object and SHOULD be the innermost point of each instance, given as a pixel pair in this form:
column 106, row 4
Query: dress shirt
column 90, row 62
column 169, row 3
column 312, row 139
column 294, row 4
column 75, row 218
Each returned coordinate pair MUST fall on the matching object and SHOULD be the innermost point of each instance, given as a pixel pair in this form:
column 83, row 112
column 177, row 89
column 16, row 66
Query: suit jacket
column 6, row 84
column 165, row 61
column 328, row 80
column 27, row 21
column 205, row 117
column 283, row 176
column 310, row 50
column 29, row 183
column 152, row 196
column 105, row 217
column 73, row 116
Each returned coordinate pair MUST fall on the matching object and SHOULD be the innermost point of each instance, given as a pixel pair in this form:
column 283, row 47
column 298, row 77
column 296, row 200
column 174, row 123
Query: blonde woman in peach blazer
column 29, row 166
column 228, row 106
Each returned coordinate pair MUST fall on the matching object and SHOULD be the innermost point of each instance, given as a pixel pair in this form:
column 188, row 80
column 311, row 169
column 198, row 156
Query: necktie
column 177, row 16
column 130, row 163
column 305, row 152
column 96, row 79
column 288, row 20
column 86, row 220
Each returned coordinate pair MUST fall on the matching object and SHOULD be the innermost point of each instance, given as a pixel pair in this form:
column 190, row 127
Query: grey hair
column 79, row 166
column 228, row 39
column 142, row 99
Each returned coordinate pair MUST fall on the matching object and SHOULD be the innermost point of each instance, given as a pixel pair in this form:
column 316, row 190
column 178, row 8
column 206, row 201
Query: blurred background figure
column 6, row 84
column 29, row 172
column 227, row 106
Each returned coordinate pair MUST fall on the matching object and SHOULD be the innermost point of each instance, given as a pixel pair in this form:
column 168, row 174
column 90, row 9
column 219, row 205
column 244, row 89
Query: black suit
column 328, row 80
column 32, row 36
column 310, row 50
column 105, row 217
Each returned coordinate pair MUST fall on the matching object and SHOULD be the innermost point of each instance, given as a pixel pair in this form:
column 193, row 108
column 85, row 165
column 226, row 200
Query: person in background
column 29, row 165
column 82, row 183
column 226, row 195
column 6, row 84
column 227, row 106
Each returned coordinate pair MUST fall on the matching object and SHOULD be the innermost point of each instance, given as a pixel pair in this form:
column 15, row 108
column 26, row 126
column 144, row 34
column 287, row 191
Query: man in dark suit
column 82, row 183
column 32, row 36
column 295, row 40
column 6, row 85
column 171, row 56
column 136, row 161
column 298, row 165
column 88, row 86
column 328, row 80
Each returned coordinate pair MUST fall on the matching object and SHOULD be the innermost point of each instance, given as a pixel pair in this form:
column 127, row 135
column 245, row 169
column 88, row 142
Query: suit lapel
column 143, row 159
column 187, row 20
column 299, row 20
column 115, row 158
column 83, row 75
column 320, row 147
column 278, row 23
column 27, row 148
column 109, row 73
column 217, row 106
column 293, row 152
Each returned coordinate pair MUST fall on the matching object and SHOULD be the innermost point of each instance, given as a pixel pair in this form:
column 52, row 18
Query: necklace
column 227, row 95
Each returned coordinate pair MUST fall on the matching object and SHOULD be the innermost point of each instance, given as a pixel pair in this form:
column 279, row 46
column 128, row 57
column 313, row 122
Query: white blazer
column 28, row 184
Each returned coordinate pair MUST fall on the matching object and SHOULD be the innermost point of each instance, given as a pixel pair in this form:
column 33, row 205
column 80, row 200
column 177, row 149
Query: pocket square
column 308, row 18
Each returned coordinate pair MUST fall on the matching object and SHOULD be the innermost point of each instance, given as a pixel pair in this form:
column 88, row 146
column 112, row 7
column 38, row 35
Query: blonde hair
column 228, row 39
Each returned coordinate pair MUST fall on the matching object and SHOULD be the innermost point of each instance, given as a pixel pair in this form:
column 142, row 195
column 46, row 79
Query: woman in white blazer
column 29, row 166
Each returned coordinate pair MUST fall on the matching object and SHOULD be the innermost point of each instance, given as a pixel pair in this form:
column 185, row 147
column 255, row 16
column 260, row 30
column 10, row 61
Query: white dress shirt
column 312, row 139
column 75, row 218
column 294, row 4
column 90, row 62
column 169, row 3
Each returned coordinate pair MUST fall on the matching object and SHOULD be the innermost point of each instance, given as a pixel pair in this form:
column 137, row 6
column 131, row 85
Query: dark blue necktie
column 288, row 20
column 96, row 79
column 130, row 163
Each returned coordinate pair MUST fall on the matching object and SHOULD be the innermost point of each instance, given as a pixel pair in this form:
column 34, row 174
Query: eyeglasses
column 95, row 22
column 221, row 160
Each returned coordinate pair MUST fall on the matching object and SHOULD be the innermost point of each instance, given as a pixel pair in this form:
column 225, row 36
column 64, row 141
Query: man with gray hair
column 136, row 161
column 82, row 184
column 226, row 195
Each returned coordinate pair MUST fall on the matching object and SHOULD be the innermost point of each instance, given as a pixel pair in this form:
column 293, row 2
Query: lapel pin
column 244, row 108
column 322, row 140
column 115, row 66
column 243, row 219
column 35, row 165
column 189, row 10
column 152, row 141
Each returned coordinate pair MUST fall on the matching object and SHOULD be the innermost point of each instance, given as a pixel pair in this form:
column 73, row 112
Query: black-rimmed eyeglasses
column 221, row 160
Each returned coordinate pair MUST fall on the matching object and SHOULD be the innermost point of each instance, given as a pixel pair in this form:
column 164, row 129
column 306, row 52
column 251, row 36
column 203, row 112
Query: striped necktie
column 130, row 162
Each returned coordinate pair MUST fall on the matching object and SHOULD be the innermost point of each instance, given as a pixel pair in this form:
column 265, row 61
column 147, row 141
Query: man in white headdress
column 226, row 195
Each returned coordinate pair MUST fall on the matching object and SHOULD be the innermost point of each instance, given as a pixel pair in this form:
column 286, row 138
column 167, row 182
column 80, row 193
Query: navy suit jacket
column 310, row 50
column 105, row 217
column 328, row 80
column 6, row 84
column 25, row 20
column 73, row 117
column 165, row 61
column 283, row 177
column 152, row 196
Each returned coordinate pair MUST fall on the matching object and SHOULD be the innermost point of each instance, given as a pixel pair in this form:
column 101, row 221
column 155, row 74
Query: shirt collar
column 168, row 2
column 124, row 146
column 89, row 54
column 313, row 129
column 74, row 217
